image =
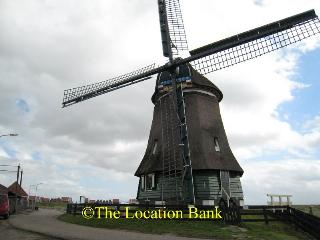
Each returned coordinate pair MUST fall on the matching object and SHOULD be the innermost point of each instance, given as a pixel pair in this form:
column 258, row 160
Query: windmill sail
column 254, row 43
column 75, row 95
column 209, row 58
column 176, row 27
column 173, row 35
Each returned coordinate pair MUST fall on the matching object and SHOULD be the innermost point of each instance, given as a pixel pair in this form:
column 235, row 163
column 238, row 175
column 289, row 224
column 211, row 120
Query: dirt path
column 45, row 222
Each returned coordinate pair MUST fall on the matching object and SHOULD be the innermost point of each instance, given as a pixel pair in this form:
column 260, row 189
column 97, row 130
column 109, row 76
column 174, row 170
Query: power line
column 3, row 170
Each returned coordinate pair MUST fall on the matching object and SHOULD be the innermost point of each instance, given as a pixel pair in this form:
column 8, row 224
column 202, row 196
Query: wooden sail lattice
column 176, row 27
column 212, row 57
column 223, row 58
column 74, row 95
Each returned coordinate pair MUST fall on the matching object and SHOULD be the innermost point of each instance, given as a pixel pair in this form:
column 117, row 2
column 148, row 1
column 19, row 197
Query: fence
column 262, row 213
column 307, row 222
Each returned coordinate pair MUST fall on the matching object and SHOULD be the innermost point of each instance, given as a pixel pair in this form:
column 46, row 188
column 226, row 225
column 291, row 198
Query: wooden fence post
column 310, row 210
column 265, row 215
column 238, row 215
column 288, row 215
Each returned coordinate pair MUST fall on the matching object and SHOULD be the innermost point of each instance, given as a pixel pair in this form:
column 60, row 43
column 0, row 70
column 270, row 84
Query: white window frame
column 216, row 144
column 155, row 147
column 142, row 182
column 208, row 202
column 152, row 175
column 153, row 180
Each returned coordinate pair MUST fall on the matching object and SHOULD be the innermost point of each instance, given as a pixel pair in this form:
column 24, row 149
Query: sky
column 270, row 108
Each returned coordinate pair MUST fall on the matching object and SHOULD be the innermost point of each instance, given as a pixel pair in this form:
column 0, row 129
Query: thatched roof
column 204, row 124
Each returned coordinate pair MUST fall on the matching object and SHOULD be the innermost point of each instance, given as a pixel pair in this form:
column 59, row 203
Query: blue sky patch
column 36, row 155
column 306, row 103
column 23, row 105
column 9, row 150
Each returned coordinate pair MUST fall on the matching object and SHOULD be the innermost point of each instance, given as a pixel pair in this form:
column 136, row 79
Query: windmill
column 188, row 158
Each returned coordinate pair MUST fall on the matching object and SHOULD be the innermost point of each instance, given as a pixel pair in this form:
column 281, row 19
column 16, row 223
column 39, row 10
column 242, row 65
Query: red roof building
column 115, row 201
column 17, row 190
column 44, row 199
column 3, row 189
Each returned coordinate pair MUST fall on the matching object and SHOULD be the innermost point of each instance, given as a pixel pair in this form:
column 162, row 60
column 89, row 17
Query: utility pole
column 18, row 173
column 35, row 200
column 21, row 178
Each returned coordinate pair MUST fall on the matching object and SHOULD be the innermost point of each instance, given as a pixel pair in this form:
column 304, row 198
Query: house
column 44, row 200
column 16, row 189
column 55, row 200
column 133, row 201
column 115, row 201
column 17, row 196
column 3, row 189
column 66, row 199
column 39, row 199
column 32, row 198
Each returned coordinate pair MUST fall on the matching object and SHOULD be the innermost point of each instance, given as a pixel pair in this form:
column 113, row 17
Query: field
column 203, row 229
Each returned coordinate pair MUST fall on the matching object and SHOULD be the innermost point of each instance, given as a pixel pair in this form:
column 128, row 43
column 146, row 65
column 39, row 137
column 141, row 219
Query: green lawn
column 216, row 230
column 52, row 205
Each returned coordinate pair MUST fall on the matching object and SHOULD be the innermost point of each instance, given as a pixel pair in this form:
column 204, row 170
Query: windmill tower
column 215, row 171
column 188, row 158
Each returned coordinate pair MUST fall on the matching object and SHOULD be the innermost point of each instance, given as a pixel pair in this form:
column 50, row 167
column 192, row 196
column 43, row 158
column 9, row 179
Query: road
column 10, row 233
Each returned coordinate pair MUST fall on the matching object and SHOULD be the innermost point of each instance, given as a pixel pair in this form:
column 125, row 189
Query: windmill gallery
column 188, row 159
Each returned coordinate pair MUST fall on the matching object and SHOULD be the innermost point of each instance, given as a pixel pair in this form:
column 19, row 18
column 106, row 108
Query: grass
column 204, row 229
column 275, row 230
column 58, row 206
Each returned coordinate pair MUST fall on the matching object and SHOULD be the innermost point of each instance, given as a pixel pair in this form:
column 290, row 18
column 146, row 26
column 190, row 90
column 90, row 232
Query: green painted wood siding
column 235, row 187
column 155, row 194
column 206, row 187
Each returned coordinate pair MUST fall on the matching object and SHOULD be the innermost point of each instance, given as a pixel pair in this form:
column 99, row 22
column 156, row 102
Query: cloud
column 48, row 46
column 291, row 177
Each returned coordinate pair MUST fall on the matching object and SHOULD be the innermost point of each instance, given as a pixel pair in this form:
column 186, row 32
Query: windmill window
column 142, row 182
column 150, row 181
column 155, row 146
column 216, row 144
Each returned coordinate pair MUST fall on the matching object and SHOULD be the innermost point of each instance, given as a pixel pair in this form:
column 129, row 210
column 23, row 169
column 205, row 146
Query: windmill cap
column 186, row 73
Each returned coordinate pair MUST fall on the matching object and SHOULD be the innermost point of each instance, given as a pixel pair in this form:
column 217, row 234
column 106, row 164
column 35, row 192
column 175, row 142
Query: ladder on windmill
column 171, row 182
